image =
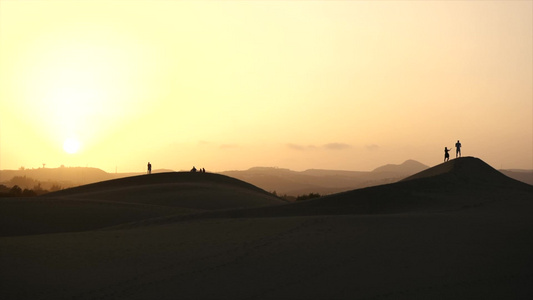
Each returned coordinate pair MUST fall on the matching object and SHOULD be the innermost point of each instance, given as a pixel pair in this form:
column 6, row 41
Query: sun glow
column 71, row 146
column 346, row 85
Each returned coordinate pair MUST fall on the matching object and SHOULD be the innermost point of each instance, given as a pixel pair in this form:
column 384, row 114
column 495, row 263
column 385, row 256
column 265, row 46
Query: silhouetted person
column 203, row 170
column 193, row 169
column 446, row 154
column 149, row 168
column 457, row 149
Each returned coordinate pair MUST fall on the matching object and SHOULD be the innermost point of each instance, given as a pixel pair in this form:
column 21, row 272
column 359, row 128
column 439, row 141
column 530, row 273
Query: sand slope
column 477, row 246
column 126, row 200
column 458, row 184
column 200, row 191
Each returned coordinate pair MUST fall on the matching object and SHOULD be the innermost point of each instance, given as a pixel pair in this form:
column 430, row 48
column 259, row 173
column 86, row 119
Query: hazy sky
column 226, row 85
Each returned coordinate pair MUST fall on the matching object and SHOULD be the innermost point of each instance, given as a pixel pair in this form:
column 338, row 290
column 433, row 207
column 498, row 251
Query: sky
column 348, row 85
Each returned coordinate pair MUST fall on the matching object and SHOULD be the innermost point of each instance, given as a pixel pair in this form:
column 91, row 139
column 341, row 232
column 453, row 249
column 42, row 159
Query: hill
column 408, row 167
column 285, row 181
column 128, row 199
column 465, row 169
column 205, row 191
column 457, row 184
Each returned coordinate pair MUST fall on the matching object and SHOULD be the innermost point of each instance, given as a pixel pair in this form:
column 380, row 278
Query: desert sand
column 459, row 230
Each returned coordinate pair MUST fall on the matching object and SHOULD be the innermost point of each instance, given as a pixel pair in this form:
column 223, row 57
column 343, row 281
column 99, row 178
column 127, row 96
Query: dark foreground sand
column 479, row 246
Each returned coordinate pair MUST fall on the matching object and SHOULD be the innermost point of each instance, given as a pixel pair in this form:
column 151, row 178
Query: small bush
column 307, row 197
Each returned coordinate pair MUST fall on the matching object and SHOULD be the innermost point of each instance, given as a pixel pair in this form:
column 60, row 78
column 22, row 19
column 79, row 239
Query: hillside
column 459, row 230
column 205, row 191
column 459, row 183
column 126, row 200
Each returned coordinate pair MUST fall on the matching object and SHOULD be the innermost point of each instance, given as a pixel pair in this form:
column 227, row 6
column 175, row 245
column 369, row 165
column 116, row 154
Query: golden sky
column 230, row 85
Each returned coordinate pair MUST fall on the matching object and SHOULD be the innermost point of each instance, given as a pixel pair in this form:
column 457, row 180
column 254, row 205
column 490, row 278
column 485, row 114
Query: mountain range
column 278, row 180
column 324, row 182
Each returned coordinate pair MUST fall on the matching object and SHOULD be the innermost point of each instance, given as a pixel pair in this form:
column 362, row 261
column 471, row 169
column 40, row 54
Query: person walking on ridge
column 447, row 154
column 457, row 149
column 149, row 168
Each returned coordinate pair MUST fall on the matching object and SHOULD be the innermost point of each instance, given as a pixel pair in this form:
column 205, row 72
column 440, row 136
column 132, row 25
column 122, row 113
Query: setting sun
column 236, row 84
column 71, row 146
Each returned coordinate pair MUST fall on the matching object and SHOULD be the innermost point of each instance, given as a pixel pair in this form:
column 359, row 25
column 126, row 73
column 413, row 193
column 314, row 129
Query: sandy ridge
column 460, row 233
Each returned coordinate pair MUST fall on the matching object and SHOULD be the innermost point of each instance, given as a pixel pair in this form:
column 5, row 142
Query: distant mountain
column 63, row 176
column 324, row 182
column 522, row 175
column 282, row 181
column 408, row 167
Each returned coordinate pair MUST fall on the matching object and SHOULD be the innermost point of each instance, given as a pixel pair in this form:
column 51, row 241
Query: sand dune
column 126, row 200
column 200, row 191
column 458, row 184
column 458, row 231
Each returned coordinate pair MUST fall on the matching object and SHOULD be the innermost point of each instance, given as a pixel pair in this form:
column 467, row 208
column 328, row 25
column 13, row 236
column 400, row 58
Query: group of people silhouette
column 194, row 170
column 457, row 151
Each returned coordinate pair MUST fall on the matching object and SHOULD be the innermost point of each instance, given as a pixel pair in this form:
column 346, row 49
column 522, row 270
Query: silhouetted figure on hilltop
column 149, row 168
column 203, row 170
column 193, row 169
column 447, row 154
column 457, row 149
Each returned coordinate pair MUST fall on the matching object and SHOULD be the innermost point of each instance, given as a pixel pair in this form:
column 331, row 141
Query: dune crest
column 465, row 168
column 126, row 200
column 462, row 183
column 204, row 191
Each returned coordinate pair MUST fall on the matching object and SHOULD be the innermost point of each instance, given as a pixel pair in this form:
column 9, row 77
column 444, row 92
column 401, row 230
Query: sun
column 71, row 146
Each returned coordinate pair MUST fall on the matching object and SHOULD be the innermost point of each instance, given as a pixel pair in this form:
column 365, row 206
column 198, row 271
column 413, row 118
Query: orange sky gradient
column 349, row 85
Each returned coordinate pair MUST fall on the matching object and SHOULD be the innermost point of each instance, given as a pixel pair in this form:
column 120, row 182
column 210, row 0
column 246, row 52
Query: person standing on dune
column 447, row 154
column 457, row 149
column 149, row 168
